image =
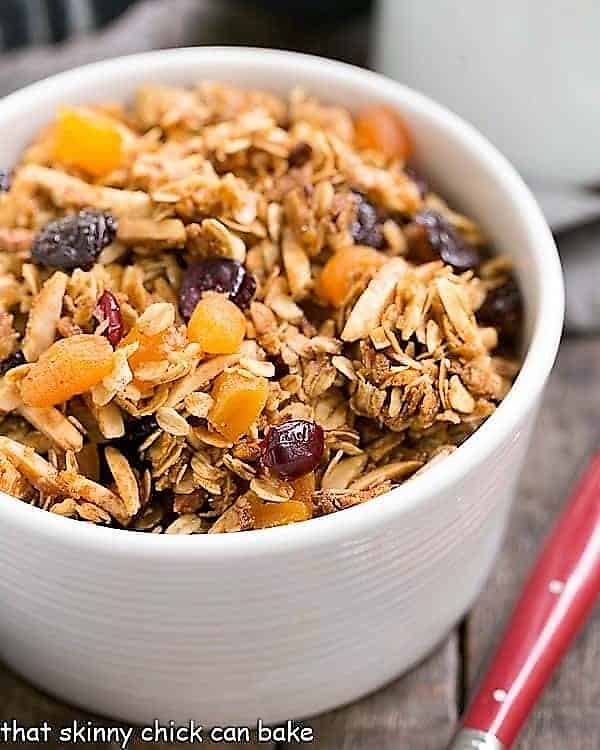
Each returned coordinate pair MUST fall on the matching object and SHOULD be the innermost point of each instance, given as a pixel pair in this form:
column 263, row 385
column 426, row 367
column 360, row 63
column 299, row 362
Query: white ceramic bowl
column 292, row 621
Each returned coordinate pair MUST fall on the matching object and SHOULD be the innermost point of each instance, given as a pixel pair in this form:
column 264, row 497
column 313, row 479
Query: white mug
column 525, row 72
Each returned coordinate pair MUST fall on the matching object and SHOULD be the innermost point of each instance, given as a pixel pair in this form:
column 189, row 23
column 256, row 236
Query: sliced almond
column 172, row 422
column 393, row 471
column 340, row 475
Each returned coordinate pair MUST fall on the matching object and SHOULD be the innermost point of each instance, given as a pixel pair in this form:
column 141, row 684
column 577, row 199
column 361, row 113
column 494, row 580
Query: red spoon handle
column 558, row 596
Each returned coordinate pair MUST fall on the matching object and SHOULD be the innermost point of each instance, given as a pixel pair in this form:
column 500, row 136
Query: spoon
column 560, row 593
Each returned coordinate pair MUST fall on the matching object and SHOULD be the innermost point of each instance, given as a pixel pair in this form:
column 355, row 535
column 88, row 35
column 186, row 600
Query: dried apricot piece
column 344, row 269
column 380, row 128
column 267, row 515
column 151, row 348
column 69, row 367
column 217, row 324
column 304, row 489
column 87, row 140
column 238, row 401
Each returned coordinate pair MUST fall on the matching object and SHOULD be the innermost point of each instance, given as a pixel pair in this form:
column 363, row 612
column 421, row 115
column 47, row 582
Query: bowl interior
column 461, row 164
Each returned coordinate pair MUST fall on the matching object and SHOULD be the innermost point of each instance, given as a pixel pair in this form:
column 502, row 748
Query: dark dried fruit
column 366, row 228
column 137, row 431
column 215, row 275
column 16, row 359
column 5, row 180
column 503, row 309
column 419, row 180
column 293, row 448
column 74, row 241
column 109, row 310
column 430, row 237
column 300, row 154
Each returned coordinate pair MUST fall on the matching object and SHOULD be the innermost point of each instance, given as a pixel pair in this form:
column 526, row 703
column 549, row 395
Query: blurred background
column 527, row 79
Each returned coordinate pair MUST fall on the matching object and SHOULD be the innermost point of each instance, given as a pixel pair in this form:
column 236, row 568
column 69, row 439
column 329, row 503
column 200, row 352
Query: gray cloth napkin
column 157, row 24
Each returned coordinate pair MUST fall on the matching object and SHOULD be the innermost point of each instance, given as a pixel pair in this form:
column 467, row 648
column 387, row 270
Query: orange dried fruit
column 267, row 515
column 238, row 401
column 380, row 128
column 153, row 348
column 87, row 140
column 69, row 367
column 344, row 269
column 217, row 324
column 304, row 489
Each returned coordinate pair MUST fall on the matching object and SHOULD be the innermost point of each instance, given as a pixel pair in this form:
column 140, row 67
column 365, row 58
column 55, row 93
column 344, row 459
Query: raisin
column 293, row 448
column 109, row 310
column 366, row 228
column 503, row 309
column 136, row 433
column 74, row 241
column 16, row 359
column 215, row 275
column 431, row 237
column 300, row 154
column 5, row 180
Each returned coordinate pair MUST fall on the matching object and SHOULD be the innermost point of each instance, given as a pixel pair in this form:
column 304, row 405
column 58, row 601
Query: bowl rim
column 338, row 527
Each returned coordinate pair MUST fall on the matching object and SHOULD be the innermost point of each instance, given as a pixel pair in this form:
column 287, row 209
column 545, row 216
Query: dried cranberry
column 293, row 448
column 419, row 180
column 215, row 275
column 5, row 180
column 503, row 309
column 366, row 228
column 431, row 236
column 16, row 359
column 109, row 310
column 300, row 154
column 74, row 241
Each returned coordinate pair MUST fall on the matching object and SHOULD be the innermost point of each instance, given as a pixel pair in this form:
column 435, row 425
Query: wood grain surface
column 418, row 711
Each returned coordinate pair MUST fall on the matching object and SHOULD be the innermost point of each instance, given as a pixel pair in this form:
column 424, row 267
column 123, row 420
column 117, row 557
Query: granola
column 222, row 310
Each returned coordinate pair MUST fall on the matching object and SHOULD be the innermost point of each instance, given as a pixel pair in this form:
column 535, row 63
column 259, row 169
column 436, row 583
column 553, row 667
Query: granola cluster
column 221, row 310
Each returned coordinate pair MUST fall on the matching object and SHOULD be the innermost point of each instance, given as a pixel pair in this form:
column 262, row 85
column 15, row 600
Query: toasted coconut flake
column 125, row 480
column 152, row 234
column 44, row 316
column 12, row 482
column 52, row 423
column 36, row 469
column 70, row 192
column 80, row 487
column 366, row 313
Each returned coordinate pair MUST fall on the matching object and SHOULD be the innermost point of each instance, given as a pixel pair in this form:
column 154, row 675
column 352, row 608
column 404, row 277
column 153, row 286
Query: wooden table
column 418, row 711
